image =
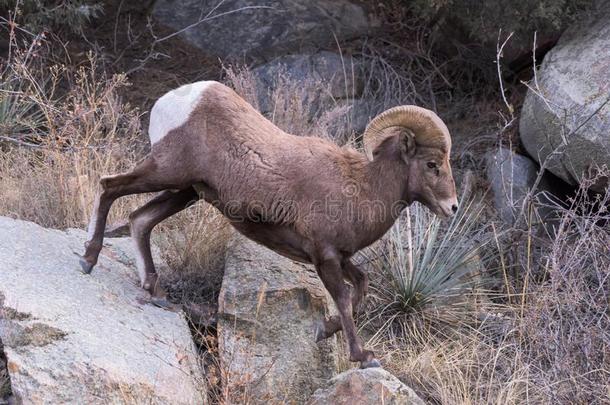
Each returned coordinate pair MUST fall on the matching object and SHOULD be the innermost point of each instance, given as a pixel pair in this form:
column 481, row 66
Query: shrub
column 40, row 15
column 550, row 345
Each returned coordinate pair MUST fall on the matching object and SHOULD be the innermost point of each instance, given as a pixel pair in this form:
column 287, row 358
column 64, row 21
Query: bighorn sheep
column 303, row 197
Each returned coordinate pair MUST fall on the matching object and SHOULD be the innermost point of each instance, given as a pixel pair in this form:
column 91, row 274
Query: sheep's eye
column 432, row 165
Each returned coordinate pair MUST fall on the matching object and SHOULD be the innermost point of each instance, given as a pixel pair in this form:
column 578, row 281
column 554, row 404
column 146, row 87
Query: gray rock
column 268, row 307
column 365, row 387
column 282, row 26
column 74, row 338
column 320, row 80
column 511, row 176
column 574, row 78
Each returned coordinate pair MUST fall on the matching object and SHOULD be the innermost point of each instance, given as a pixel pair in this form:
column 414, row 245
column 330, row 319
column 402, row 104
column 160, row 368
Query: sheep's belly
column 280, row 239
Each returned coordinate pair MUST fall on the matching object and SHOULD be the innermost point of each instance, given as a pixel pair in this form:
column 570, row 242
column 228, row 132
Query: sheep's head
column 425, row 145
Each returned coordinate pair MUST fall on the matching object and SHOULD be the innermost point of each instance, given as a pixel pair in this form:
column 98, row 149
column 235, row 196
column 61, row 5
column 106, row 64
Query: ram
column 303, row 197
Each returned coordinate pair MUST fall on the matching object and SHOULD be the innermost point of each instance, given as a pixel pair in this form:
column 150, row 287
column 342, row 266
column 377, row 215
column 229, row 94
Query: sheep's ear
column 407, row 144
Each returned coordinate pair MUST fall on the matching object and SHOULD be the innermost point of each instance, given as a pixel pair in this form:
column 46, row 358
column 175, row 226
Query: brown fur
column 302, row 197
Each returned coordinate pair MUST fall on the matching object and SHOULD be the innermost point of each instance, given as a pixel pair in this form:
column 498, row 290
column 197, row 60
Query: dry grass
column 49, row 173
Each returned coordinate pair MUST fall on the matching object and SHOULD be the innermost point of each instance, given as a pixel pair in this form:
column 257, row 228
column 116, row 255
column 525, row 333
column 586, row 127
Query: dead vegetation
column 5, row 382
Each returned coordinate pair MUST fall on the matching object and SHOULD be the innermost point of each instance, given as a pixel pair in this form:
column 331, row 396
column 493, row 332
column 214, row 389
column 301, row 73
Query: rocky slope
column 72, row 338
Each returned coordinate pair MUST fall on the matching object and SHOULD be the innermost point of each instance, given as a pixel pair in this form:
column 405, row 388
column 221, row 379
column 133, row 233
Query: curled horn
column 428, row 129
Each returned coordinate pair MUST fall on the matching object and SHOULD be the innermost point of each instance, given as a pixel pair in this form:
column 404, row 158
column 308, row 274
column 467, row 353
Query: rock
column 320, row 80
column 364, row 387
column 264, row 30
column 75, row 338
column 511, row 176
column 268, row 307
column 471, row 29
column 574, row 79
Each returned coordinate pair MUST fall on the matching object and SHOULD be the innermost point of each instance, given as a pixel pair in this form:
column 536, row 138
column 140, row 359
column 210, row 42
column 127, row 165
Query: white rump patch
column 173, row 109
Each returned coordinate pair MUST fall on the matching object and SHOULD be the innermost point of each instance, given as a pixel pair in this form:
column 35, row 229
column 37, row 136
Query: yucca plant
column 426, row 270
column 18, row 114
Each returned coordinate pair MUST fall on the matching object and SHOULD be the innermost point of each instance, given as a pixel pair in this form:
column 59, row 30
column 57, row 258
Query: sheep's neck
column 388, row 187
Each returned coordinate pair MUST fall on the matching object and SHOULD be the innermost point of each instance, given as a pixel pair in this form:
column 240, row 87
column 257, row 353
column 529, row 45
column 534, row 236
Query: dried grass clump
column 193, row 244
column 299, row 107
column 49, row 171
column 565, row 327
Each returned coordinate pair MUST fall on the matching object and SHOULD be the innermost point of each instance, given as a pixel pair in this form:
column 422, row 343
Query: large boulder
column 365, row 387
column 74, row 338
column 472, row 29
column 261, row 30
column 268, row 308
column 572, row 120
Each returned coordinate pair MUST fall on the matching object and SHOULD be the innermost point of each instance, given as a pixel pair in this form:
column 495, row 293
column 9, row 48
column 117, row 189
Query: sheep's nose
column 454, row 208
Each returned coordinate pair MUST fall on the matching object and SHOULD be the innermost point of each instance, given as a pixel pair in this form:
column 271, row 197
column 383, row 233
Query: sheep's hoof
column 370, row 363
column 86, row 267
column 164, row 303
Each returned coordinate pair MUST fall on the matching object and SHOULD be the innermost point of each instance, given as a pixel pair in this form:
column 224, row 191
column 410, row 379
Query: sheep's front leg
column 331, row 274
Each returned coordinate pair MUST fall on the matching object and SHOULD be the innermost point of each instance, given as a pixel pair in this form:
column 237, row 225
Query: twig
column 20, row 143
column 500, row 49
column 208, row 18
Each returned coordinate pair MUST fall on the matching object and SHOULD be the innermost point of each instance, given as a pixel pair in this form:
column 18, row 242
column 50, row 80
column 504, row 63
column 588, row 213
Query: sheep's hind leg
column 142, row 221
column 332, row 276
column 122, row 228
column 143, row 178
column 117, row 230
column 359, row 279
